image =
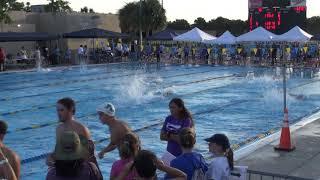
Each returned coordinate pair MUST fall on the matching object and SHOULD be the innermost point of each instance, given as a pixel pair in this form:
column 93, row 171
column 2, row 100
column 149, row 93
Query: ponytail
column 229, row 156
column 130, row 146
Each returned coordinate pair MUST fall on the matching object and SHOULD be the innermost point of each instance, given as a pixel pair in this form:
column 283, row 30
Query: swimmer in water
column 298, row 97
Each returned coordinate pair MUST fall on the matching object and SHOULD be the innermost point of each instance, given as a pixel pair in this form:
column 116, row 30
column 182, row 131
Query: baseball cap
column 219, row 139
column 107, row 108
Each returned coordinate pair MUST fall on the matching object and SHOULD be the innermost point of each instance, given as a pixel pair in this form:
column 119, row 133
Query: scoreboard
column 277, row 16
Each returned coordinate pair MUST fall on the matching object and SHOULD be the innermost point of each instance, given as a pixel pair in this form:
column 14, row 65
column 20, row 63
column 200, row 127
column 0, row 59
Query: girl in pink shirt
column 128, row 149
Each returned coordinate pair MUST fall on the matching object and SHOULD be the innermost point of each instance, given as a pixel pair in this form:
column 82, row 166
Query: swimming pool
column 239, row 101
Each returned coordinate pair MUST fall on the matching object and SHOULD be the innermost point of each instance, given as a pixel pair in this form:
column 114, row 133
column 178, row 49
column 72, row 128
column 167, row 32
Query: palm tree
column 4, row 16
column 152, row 16
column 58, row 6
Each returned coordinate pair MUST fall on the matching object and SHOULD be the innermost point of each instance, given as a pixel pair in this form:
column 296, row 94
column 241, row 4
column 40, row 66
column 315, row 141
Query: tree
column 152, row 16
column 58, row 6
column 16, row 6
column 27, row 8
column 129, row 17
column 6, row 6
column 84, row 9
column 313, row 25
column 179, row 24
column 200, row 23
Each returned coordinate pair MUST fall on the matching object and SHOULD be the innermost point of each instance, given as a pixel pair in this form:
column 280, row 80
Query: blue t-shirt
column 174, row 126
column 189, row 163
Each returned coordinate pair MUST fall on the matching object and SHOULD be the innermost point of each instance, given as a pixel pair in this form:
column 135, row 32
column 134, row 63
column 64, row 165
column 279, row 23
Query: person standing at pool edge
column 66, row 109
column 2, row 59
column 222, row 163
column 118, row 129
column 9, row 160
column 180, row 118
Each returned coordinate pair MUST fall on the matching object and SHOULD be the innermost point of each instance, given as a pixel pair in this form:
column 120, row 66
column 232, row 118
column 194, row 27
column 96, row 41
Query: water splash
column 136, row 89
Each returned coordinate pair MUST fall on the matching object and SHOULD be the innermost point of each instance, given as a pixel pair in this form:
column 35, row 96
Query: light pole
column 140, row 26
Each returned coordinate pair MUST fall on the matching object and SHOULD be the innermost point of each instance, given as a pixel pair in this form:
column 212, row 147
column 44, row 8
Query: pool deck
column 304, row 162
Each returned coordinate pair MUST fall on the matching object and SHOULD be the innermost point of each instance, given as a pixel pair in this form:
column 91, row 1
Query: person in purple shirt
column 180, row 118
column 189, row 162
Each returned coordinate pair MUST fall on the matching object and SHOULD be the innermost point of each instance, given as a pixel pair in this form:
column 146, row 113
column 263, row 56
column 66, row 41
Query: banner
column 288, row 50
column 255, row 50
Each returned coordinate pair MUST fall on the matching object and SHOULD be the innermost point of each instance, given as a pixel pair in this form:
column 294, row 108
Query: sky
column 183, row 9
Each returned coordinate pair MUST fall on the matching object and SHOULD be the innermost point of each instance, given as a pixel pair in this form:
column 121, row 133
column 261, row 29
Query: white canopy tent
column 225, row 38
column 257, row 35
column 296, row 34
column 194, row 35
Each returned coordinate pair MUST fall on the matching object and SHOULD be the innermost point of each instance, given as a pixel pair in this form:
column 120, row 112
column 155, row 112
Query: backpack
column 198, row 174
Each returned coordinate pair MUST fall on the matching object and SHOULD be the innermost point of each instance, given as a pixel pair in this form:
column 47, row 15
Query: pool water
column 239, row 101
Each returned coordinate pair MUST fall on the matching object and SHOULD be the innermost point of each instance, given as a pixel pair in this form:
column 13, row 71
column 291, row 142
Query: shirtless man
column 9, row 160
column 118, row 129
column 66, row 109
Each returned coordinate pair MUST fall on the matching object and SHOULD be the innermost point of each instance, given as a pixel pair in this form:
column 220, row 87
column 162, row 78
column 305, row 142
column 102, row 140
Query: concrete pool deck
column 304, row 162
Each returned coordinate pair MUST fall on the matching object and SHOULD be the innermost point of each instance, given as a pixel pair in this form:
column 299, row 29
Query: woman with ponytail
column 191, row 163
column 128, row 150
column 222, row 162
column 180, row 118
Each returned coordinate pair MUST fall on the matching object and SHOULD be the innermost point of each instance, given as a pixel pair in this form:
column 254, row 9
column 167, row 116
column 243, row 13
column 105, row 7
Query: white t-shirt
column 219, row 169
column 80, row 51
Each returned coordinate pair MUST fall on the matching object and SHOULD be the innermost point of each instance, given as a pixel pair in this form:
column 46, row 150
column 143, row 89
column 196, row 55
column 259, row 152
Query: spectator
column 2, row 59
column 38, row 57
column 66, row 109
column 85, row 53
column 146, row 165
column 191, row 163
column 23, row 53
column 70, row 163
column 222, row 163
column 45, row 52
column 128, row 149
column 81, row 54
column 180, row 118
column 56, row 56
column 67, row 56
column 9, row 160
column 118, row 129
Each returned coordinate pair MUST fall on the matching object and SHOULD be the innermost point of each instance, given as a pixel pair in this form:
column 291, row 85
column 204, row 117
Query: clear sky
column 184, row 9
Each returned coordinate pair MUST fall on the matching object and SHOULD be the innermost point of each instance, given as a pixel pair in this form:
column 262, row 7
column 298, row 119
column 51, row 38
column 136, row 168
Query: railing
column 256, row 175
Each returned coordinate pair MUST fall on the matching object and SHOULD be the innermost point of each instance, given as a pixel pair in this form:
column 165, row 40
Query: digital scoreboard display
column 277, row 16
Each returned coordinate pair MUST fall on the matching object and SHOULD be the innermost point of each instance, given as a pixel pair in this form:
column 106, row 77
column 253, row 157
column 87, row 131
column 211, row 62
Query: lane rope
column 159, row 122
column 91, row 114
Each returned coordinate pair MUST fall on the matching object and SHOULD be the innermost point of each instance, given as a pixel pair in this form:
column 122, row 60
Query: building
column 277, row 16
column 56, row 23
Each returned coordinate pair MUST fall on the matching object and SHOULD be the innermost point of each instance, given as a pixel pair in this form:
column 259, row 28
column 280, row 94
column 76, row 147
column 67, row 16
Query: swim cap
column 107, row 108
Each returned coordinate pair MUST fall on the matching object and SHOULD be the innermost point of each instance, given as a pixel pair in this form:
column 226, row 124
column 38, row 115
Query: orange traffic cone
column 285, row 139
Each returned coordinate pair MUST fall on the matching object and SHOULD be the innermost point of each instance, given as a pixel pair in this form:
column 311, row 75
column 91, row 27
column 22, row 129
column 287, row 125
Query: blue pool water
column 239, row 101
